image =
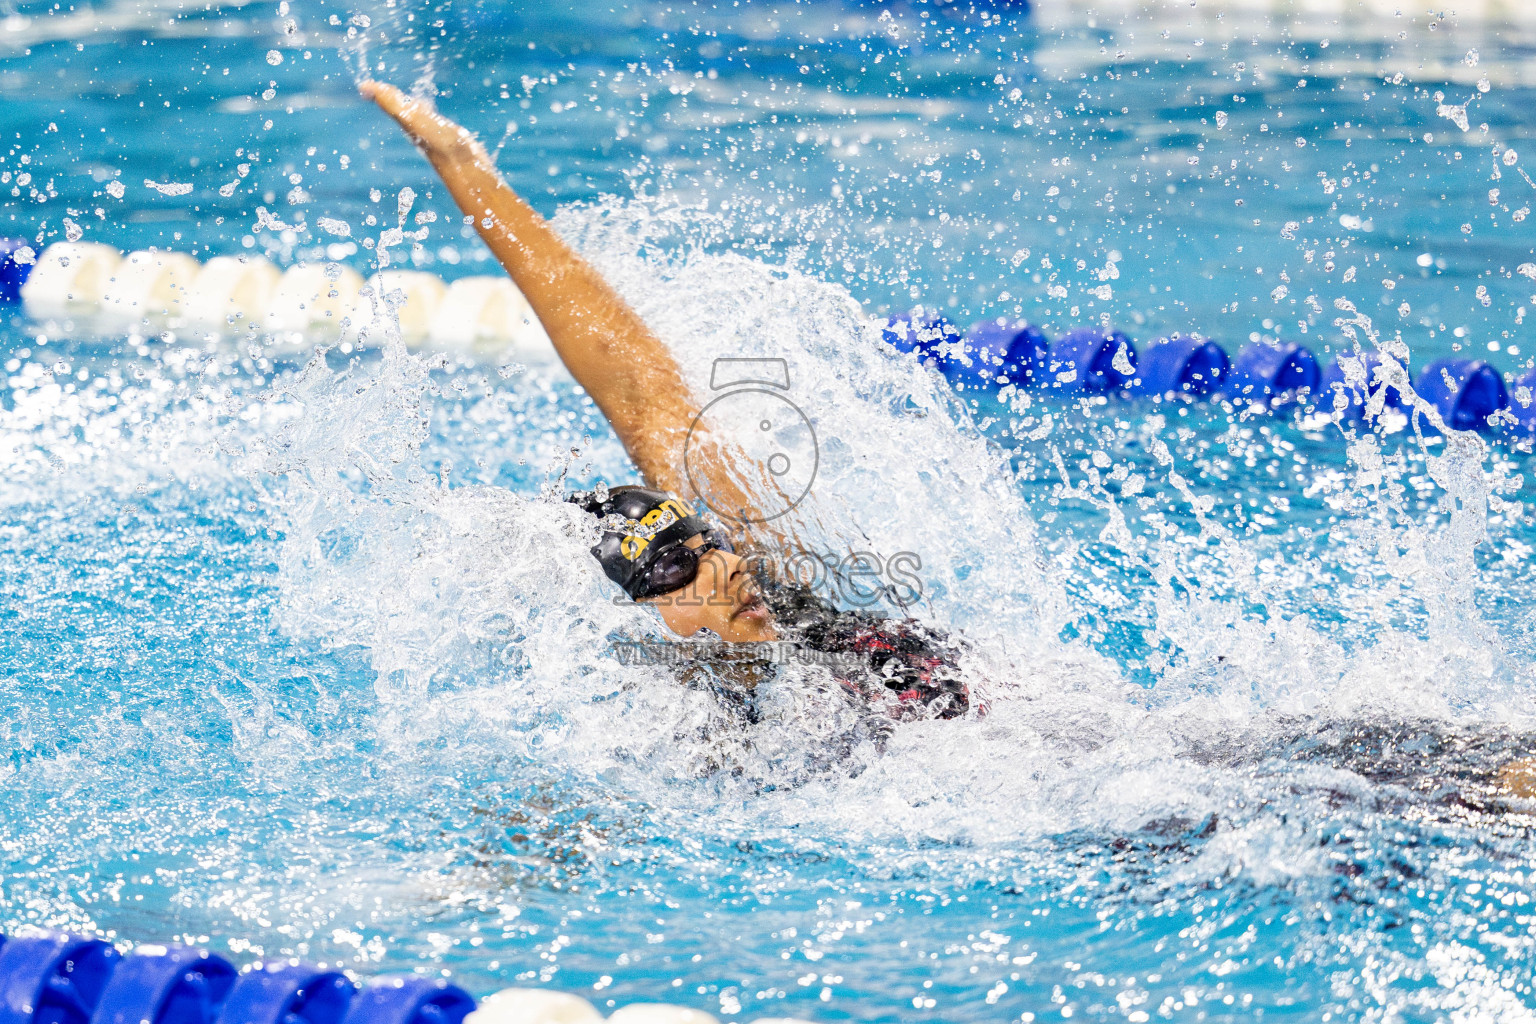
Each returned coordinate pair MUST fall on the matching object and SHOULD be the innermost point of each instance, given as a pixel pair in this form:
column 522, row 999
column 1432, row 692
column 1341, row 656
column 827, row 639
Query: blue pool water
column 301, row 659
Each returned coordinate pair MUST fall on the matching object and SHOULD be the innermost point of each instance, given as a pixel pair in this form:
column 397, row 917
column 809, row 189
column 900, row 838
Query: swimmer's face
column 723, row 598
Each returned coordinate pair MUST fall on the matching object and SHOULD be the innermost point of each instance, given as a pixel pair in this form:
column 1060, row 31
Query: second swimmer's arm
column 626, row 369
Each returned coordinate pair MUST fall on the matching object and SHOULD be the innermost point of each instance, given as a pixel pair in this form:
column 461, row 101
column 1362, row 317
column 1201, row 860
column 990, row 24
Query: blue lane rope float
column 1181, row 364
column 1522, row 407
column 16, row 263
column 1465, row 391
column 56, row 978
column 53, row 979
column 166, row 985
column 1271, row 374
column 1089, row 361
column 288, row 993
column 1360, row 365
column 999, row 353
column 996, row 353
column 410, row 1001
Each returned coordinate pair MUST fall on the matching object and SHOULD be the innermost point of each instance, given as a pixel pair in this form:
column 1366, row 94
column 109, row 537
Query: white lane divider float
column 547, row 1006
column 659, row 1013
column 231, row 293
column 534, row 1006
column 310, row 302
column 69, row 280
column 484, row 316
column 415, row 296
column 92, row 288
column 147, row 286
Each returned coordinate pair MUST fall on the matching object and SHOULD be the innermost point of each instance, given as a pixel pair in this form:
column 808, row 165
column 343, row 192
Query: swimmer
column 654, row 545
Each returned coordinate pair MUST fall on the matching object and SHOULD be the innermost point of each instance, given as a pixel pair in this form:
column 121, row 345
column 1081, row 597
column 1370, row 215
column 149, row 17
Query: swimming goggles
column 677, row 566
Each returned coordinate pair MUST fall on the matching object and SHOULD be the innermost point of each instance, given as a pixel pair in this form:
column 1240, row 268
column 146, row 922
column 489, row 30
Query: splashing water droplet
column 1457, row 115
column 1122, row 363
column 173, row 188
column 274, row 58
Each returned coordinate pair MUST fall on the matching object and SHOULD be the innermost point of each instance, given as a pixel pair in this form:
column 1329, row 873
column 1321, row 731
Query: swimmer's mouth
column 752, row 605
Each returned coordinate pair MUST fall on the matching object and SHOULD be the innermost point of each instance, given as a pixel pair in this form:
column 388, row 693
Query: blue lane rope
column 1272, row 375
column 57, row 978
column 12, row 274
column 288, row 993
column 1465, row 391
column 166, row 984
column 998, row 353
column 1089, row 361
column 1181, row 364
column 409, row 1000
column 1335, row 381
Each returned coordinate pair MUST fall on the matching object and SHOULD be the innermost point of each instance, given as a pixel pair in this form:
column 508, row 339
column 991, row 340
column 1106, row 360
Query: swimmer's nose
column 735, row 568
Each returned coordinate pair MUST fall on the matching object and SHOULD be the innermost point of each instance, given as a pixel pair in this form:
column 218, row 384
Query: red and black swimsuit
column 897, row 661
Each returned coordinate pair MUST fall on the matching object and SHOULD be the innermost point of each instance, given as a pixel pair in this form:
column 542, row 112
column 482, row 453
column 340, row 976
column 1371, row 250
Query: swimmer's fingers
column 390, row 99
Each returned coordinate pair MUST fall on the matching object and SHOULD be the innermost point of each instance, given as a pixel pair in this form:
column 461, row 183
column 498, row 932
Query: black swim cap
column 638, row 525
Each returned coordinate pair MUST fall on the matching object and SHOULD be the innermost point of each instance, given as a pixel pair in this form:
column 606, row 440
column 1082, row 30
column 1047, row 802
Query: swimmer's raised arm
column 610, row 351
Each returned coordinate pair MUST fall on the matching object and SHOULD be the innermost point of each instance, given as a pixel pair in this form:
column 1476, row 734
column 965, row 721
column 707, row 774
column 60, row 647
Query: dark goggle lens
column 675, row 568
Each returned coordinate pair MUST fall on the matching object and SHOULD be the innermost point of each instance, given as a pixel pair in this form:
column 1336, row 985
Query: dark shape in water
column 1181, row 364
column 170, row 985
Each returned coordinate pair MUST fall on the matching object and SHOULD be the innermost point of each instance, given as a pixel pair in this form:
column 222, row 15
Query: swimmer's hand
column 610, row 351
column 433, row 133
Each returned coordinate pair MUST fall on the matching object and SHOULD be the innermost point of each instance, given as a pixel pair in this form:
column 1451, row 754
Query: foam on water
column 489, row 628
